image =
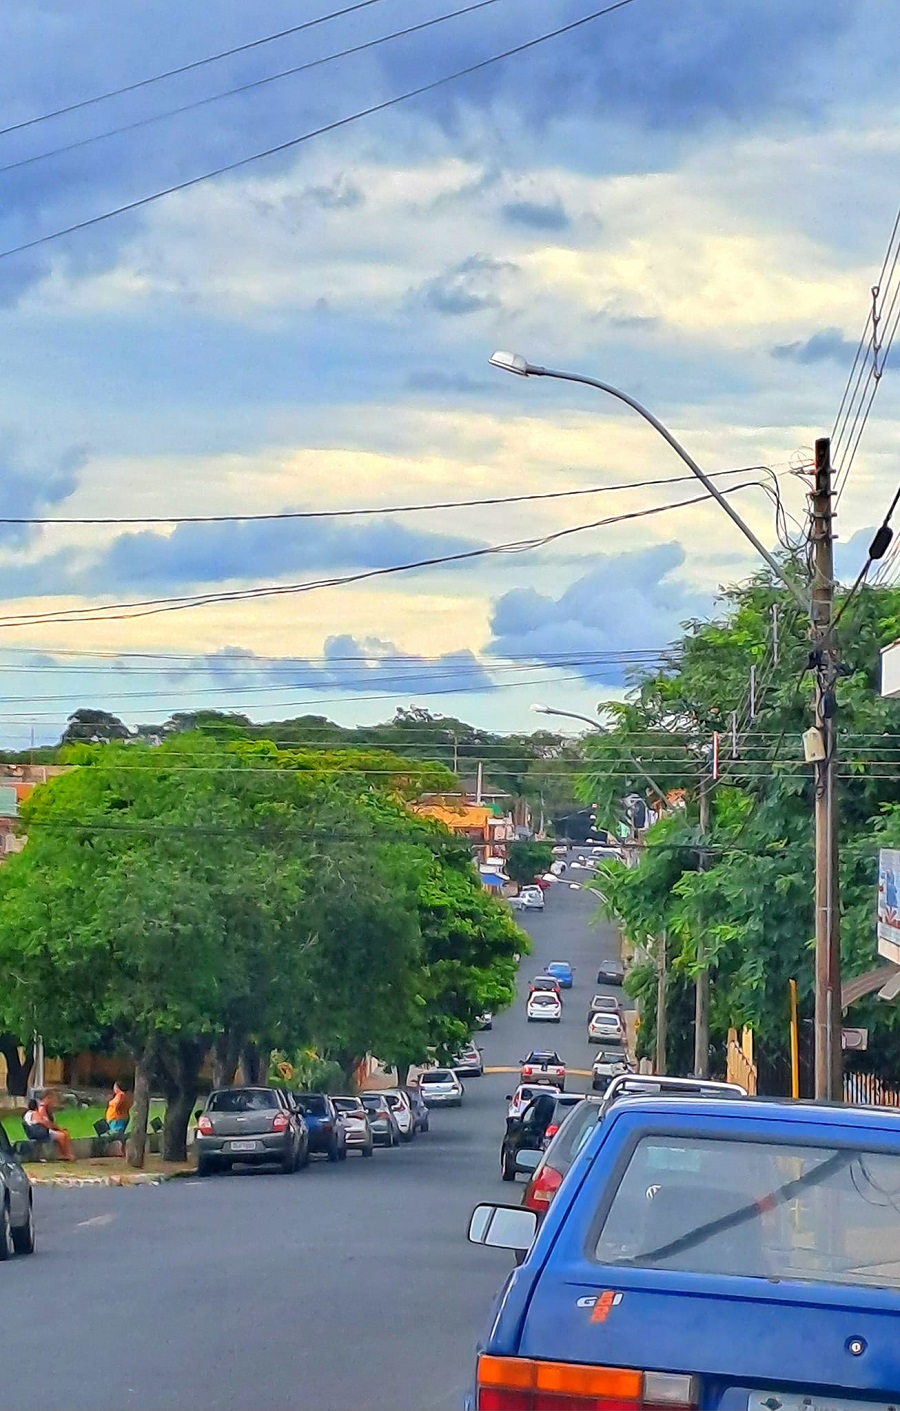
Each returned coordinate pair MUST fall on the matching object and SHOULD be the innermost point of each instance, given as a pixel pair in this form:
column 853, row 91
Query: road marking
column 96, row 1220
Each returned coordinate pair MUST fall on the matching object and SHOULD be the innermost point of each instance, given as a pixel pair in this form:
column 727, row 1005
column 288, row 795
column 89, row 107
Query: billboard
column 889, row 904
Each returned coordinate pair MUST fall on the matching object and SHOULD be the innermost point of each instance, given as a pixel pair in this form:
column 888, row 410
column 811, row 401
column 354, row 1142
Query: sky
column 689, row 200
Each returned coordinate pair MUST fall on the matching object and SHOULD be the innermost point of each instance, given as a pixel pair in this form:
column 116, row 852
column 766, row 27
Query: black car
column 327, row 1134
column 526, row 1133
column 611, row 972
column 255, row 1125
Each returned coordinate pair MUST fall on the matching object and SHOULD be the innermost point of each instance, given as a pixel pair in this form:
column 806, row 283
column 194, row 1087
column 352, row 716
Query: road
column 348, row 1288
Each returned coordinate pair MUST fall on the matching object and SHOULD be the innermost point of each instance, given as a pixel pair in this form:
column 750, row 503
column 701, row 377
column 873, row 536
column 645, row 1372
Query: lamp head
column 543, row 710
column 510, row 362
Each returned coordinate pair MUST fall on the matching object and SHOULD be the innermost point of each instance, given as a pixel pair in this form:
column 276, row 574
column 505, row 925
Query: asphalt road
column 342, row 1288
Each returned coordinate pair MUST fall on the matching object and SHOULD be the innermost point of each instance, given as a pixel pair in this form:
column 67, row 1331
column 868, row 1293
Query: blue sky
column 692, row 200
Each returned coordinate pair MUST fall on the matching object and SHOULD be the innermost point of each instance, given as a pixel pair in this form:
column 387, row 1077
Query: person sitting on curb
column 44, row 1116
column 117, row 1112
column 34, row 1130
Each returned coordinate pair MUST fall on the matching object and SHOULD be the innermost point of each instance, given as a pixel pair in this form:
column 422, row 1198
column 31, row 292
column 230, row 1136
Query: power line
column 185, row 68
column 245, row 87
column 334, row 126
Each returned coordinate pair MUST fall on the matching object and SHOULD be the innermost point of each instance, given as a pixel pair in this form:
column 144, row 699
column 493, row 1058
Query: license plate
column 243, row 1146
column 793, row 1401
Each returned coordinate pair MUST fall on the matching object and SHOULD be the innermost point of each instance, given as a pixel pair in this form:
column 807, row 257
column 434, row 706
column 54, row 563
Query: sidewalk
column 109, row 1171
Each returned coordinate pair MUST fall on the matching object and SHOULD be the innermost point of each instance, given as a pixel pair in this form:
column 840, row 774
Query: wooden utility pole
column 829, row 1065
column 701, row 990
column 662, row 965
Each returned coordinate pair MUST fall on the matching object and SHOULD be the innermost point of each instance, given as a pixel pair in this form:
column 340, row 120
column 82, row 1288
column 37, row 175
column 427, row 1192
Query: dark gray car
column 16, row 1212
column 257, row 1125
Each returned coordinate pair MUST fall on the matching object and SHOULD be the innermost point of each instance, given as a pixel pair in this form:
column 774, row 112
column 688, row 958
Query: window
column 243, row 1100
column 767, row 1210
column 314, row 1104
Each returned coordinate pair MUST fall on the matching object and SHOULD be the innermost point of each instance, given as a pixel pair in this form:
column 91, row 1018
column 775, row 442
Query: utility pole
column 662, row 961
column 701, row 988
column 829, row 1064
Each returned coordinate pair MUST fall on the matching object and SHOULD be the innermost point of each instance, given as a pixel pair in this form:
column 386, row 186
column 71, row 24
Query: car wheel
column 507, row 1168
column 367, row 1150
column 23, row 1238
column 205, row 1166
column 7, row 1248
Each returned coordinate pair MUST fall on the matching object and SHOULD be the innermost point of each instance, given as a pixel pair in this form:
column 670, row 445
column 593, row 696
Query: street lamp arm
column 513, row 363
column 573, row 715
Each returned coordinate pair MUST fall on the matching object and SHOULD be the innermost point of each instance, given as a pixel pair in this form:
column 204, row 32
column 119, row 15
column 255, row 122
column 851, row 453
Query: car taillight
column 523, row 1384
column 279, row 1121
column 542, row 1190
column 552, row 1129
column 205, row 1126
column 527, row 1071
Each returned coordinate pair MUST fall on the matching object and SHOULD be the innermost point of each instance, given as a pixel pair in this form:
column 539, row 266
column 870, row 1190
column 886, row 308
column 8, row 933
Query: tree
column 87, row 726
column 528, row 860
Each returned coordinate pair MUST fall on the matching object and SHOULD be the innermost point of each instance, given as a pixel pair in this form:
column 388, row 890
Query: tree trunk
column 403, row 1074
column 226, row 1052
column 182, row 1062
column 251, row 1064
column 144, row 1071
column 17, row 1071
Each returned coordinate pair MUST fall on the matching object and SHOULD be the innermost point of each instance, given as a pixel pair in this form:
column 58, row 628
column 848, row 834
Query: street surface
column 347, row 1288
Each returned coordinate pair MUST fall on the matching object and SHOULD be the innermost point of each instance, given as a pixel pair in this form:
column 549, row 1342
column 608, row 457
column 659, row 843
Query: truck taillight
column 279, row 1122
column 523, row 1384
column 204, row 1126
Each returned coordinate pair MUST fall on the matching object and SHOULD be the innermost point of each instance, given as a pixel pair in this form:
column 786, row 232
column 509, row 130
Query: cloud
column 536, row 215
column 827, row 346
column 31, row 483
column 466, row 288
column 629, row 600
column 435, row 380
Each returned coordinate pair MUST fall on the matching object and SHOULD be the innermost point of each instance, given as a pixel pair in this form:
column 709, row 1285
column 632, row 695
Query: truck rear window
column 764, row 1210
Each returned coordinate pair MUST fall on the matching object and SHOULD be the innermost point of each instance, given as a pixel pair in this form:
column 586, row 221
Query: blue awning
column 492, row 879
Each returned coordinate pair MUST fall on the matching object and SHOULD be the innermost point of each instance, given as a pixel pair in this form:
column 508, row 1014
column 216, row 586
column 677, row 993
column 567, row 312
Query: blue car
column 705, row 1255
column 562, row 971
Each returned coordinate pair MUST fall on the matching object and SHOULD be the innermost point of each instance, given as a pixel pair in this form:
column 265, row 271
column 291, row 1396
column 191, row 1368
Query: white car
column 544, row 1005
column 519, row 1100
column 440, row 1087
column 531, row 899
column 606, row 1066
column 401, row 1107
column 606, row 1028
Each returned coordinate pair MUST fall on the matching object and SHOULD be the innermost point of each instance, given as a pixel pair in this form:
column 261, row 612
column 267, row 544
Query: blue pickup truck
column 705, row 1255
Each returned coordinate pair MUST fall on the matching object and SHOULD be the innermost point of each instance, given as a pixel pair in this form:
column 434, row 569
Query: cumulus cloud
column 472, row 285
column 536, row 215
column 629, row 600
column 827, row 346
column 31, row 483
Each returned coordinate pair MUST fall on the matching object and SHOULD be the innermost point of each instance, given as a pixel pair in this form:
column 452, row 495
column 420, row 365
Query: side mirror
column 527, row 1161
column 509, row 1097
column 503, row 1227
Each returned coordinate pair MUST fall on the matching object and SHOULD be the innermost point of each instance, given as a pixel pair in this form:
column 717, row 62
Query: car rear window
column 314, row 1104
column 437, row 1075
column 543, row 997
column 242, row 1100
column 767, row 1210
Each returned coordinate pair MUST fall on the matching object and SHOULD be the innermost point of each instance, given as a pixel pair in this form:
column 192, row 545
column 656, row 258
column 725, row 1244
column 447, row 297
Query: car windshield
column 373, row 1103
column 242, row 1100
column 313, row 1103
column 769, row 1210
column 393, row 1100
column 437, row 1075
column 543, row 1058
column 348, row 1104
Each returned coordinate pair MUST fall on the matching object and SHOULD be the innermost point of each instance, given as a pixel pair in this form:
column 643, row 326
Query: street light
column 573, row 715
column 515, row 363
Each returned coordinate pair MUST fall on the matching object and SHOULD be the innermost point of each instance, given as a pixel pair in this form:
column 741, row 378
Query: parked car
column 605, row 1029
column 485, row 1020
column 16, row 1205
column 469, row 1062
column 419, row 1108
column 250, row 1125
column 441, row 1087
column 526, row 1132
column 560, row 850
column 531, row 898
column 385, row 1131
column 523, row 1094
column 543, row 1005
column 357, row 1127
column 606, row 1004
column 544, row 982
column 754, row 1240
column 606, row 1066
column 399, row 1104
column 544, row 1065
column 326, row 1129
column 562, row 971
column 611, row 972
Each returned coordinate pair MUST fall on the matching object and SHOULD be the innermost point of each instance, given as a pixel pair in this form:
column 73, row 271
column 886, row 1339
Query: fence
column 867, row 1089
column 741, row 1066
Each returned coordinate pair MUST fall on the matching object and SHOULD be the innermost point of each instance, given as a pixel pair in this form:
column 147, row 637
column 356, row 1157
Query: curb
column 140, row 1178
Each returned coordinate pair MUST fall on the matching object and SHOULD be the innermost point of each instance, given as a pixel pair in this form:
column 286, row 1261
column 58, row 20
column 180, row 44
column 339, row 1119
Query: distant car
column 385, row 1131
column 526, row 1132
column 611, row 972
column 441, row 1088
column 605, row 1029
column 531, row 899
column 419, row 1109
column 16, row 1207
column 327, row 1134
column 485, row 1020
column 557, row 868
column 606, row 1004
column 399, row 1104
column 560, row 850
column 250, row 1125
column 543, row 1005
column 543, row 1065
column 608, row 1065
column 357, row 1127
column 544, row 982
column 562, row 971
column 524, row 1093
column 469, row 1062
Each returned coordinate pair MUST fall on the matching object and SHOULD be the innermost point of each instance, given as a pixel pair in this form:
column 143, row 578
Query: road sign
column 889, row 904
column 855, row 1040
